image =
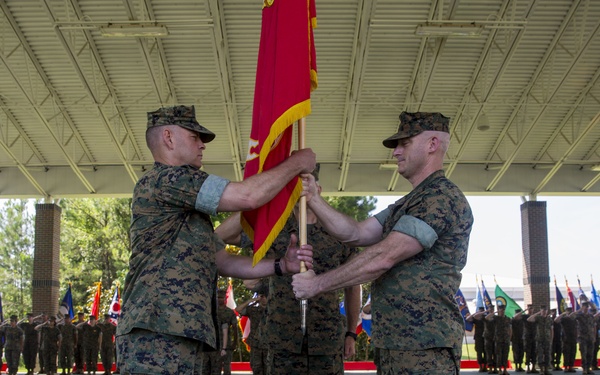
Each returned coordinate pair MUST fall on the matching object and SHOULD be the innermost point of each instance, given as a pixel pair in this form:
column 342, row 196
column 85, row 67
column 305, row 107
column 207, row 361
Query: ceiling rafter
column 506, row 164
column 357, row 66
column 98, row 102
column 223, row 65
column 503, row 66
column 169, row 97
column 8, row 149
column 589, row 127
column 436, row 7
column 46, row 122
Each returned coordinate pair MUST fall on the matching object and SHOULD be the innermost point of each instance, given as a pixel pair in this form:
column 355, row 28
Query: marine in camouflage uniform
column 228, row 334
column 417, row 249
column 91, row 334
column 543, row 339
column 569, row 338
column 255, row 310
column 489, row 333
column 478, row 323
column 169, row 297
column 51, row 338
column 596, row 315
column 517, row 339
column 78, row 354
column 214, row 361
column 529, row 331
column 502, row 335
column 30, row 346
column 586, row 333
column 107, row 347
column 67, row 345
column 321, row 350
column 13, row 336
column 556, row 342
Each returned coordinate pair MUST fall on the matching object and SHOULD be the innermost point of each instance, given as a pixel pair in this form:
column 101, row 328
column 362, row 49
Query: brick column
column 536, row 270
column 46, row 261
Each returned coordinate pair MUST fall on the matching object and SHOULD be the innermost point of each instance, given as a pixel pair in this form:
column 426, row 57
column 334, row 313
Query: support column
column 536, row 269
column 46, row 261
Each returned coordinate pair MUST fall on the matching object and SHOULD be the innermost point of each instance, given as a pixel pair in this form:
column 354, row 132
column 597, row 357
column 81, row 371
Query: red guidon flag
column 286, row 73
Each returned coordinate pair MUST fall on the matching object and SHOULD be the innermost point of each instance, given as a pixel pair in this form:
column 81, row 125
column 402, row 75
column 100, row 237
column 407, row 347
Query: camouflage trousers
column 106, row 356
column 544, row 353
column 569, row 352
column 147, row 352
column 287, row 363
column 65, row 356
column 586, row 349
column 501, row 354
column 211, row 363
column 438, row 361
column 258, row 361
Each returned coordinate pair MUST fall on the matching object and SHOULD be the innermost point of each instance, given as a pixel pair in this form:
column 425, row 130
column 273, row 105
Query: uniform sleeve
column 210, row 194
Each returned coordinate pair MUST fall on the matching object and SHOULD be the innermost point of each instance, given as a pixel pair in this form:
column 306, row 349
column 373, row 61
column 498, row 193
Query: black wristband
column 351, row 334
column 277, row 267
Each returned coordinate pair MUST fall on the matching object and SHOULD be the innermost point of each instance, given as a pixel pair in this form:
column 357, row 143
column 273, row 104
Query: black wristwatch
column 277, row 266
column 351, row 334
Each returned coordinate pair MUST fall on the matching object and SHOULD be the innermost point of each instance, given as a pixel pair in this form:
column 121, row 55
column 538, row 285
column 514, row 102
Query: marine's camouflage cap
column 413, row 123
column 181, row 115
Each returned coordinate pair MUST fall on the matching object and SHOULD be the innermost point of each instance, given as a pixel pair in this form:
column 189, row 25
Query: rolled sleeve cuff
column 381, row 216
column 418, row 229
column 210, row 194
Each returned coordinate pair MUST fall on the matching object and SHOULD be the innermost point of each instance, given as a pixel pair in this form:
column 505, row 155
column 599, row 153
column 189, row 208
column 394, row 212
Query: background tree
column 16, row 255
column 94, row 247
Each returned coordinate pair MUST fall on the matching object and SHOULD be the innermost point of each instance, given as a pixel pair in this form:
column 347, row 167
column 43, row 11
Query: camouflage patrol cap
column 181, row 115
column 415, row 123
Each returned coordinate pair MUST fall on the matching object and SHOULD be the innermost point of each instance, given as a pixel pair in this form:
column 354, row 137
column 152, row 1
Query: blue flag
column 486, row 297
column 561, row 302
column 66, row 306
column 479, row 300
column 464, row 309
column 595, row 298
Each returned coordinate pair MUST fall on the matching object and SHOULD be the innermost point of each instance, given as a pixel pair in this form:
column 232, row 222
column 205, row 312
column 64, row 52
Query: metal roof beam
column 223, row 65
column 357, row 67
column 111, row 97
column 540, row 113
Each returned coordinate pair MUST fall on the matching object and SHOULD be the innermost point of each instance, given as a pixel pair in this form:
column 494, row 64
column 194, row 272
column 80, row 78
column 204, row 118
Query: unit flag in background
column 286, row 73
column 115, row 306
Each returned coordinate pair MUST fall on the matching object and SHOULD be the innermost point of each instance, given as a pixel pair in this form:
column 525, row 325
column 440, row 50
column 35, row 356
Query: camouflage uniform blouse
column 226, row 316
column 69, row 335
column 50, row 338
column 172, row 268
column 543, row 327
column 413, row 302
column 502, row 330
column 12, row 337
column 258, row 316
column 108, row 331
column 586, row 327
column 325, row 326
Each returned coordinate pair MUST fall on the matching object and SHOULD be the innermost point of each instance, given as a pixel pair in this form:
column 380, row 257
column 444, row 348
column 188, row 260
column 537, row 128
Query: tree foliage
column 16, row 255
column 94, row 247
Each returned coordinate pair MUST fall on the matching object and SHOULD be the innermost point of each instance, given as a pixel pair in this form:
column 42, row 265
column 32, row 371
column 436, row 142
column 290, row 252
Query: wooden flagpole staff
column 302, row 221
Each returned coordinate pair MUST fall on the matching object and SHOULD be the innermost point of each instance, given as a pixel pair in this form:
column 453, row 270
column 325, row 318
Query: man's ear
column 167, row 137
